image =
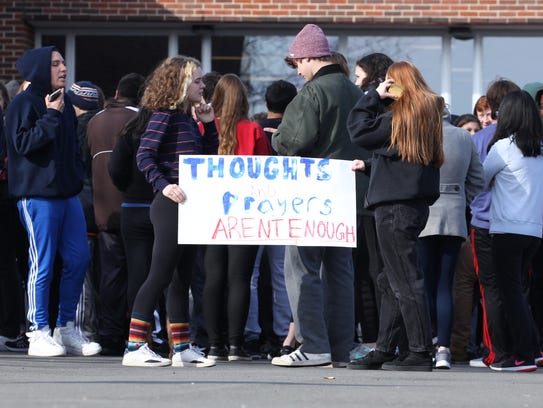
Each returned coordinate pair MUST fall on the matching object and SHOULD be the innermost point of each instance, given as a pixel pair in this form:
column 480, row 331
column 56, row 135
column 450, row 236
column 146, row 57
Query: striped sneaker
column 300, row 359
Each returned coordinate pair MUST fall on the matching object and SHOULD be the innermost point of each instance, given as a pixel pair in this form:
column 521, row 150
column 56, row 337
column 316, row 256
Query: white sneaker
column 443, row 358
column 477, row 362
column 144, row 357
column 191, row 358
column 300, row 359
column 75, row 342
column 41, row 344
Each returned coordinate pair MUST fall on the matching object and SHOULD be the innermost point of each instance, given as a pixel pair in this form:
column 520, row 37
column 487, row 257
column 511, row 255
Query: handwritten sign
column 271, row 200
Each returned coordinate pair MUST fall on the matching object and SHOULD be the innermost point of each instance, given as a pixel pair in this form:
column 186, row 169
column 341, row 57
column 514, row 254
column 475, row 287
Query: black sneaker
column 19, row 344
column 371, row 361
column 514, row 364
column 269, row 349
column 240, row 354
column 411, row 362
column 111, row 348
column 218, row 353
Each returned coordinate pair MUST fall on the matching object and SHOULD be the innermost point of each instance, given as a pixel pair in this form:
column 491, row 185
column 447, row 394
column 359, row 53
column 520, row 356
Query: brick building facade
column 26, row 23
column 19, row 17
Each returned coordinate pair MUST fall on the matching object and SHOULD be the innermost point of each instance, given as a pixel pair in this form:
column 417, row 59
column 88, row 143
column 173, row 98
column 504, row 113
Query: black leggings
column 228, row 274
column 167, row 258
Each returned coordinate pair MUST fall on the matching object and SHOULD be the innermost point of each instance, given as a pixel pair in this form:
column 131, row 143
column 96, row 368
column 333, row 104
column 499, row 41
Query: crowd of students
column 449, row 214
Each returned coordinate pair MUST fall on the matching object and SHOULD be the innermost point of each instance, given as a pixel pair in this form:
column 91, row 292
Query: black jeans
column 494, row 327
column 112, row 306
column 404, row 302
column 367, row 267
column 512, row 254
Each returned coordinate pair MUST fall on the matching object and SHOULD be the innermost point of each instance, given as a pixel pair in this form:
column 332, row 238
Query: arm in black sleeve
column 368, row 124
column 121, row 163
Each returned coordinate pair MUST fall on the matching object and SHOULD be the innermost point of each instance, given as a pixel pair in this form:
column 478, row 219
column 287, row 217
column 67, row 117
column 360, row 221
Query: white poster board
column 267, row 200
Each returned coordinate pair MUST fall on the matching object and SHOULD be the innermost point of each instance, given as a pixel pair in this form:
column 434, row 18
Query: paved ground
column 102, row 382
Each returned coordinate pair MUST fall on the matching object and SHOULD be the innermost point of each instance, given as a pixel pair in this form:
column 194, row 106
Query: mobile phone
column 395, row 90
column 55, row 95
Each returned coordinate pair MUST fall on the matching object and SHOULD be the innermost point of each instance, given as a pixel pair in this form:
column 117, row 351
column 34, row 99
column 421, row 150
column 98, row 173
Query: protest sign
column 267, row 200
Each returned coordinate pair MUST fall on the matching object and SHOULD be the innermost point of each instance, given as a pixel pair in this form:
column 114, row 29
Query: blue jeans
column 403, row 296
column 54, row 225
column 280, row 307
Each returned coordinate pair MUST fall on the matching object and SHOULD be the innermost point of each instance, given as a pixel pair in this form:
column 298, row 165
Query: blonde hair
column 417, row 117
column 166, row 87
column 231, row 104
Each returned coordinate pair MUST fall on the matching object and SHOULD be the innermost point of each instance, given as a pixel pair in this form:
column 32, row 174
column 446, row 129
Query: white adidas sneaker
column 300, row 359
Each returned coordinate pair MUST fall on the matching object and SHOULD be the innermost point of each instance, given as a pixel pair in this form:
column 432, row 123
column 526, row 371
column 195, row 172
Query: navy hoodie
column 43, row 151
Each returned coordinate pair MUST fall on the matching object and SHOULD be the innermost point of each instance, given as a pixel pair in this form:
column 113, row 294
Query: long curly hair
column 166, row 87
column 231, row 104
column 417, row 117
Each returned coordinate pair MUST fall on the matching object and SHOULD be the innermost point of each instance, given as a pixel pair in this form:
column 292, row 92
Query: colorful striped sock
column 180, row 336
column 137, row 336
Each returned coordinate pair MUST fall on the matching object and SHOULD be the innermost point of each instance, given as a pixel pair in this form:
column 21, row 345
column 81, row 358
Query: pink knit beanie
column 309, row 43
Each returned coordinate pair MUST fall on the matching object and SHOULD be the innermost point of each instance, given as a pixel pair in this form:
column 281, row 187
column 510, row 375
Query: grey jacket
column 461, row 179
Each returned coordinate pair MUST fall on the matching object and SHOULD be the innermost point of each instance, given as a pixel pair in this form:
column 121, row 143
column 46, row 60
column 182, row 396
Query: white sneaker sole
column 520, row 369
column 34, row 353
column 75, row 351
column 443, row 365
column 146, row 364
column 193, row 365
column 277, row 361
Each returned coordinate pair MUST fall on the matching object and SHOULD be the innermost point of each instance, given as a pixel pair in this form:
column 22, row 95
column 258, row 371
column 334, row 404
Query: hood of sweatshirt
column 35, row 66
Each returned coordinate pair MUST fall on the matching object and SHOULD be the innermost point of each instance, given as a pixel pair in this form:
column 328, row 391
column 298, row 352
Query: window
column 191, row 46
column 105, row 59
column 515, row 58
column 58, row 41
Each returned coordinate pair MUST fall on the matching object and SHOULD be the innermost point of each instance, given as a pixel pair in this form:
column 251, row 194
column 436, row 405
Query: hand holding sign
column 174, row 193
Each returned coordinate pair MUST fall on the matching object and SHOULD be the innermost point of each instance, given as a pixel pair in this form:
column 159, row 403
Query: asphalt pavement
column 103, row 382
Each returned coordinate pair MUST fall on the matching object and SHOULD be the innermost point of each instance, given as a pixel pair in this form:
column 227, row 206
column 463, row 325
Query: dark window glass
column 191, row 46
column 58, row 41
column 226, row 54
column 105, row 59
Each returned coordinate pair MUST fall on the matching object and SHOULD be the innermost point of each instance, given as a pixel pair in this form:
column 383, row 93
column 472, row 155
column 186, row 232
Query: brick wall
column 17, row 17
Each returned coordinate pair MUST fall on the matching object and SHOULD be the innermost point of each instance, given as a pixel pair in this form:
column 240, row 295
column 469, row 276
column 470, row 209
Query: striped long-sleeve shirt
column 170, row 133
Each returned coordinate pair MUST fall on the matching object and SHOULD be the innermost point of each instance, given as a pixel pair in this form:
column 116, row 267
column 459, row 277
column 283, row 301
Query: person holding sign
column 229, row 267
column 407, row 139
column 172, row 90
column 314, row 125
